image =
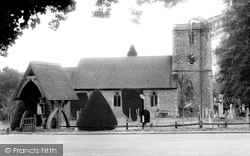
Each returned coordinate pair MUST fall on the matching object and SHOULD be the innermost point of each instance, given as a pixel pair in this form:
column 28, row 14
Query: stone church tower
column 192, row 57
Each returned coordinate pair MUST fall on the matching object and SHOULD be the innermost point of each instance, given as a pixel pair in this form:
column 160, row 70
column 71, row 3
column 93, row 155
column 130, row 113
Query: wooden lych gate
column 45, row 91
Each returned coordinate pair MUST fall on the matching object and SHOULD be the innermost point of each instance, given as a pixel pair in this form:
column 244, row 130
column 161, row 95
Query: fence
column 5, row 131
column 175, row 125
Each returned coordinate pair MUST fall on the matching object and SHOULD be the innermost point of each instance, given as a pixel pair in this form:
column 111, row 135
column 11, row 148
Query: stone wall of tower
column 200, row 72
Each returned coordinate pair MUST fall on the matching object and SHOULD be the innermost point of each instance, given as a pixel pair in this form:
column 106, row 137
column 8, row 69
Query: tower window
column 191, row 37
column 117, row 100
column 153, row 99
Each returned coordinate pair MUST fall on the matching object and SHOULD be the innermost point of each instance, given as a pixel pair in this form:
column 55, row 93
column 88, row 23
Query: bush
column 17, row 116
column 242, row 114
column 2, row 116
column 131, row 102
column 97, row 114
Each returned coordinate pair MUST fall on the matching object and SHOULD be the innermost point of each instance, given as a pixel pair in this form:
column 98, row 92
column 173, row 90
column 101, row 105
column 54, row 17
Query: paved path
column 142, row 144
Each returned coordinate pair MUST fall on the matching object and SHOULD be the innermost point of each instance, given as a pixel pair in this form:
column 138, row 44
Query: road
column 142, row 144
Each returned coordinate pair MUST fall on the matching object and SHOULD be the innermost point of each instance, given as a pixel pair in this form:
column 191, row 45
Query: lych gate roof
column 123, row 72
column 53, row 81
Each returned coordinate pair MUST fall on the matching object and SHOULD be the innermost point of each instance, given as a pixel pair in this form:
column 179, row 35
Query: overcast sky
column 83, row 36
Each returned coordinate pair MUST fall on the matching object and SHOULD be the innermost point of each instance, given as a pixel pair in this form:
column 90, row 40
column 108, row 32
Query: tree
column 233, row 52
column 186, row 92
column 104, row 6
column 132, row 51
column 16, row 15
column 17, row 115
column 9, row 80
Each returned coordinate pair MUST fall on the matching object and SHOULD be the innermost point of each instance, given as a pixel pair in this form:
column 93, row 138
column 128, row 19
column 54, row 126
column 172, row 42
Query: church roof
column 52, row 81
column 123, row 72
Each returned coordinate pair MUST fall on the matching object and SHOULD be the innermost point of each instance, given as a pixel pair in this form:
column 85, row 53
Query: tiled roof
column 123, row 72
column 69, row 71
column 53, row 80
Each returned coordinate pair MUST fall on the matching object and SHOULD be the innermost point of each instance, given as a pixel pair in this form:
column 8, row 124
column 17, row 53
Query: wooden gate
column 29, row 124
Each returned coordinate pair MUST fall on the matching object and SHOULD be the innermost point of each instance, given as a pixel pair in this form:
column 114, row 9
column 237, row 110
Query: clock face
column 191, row 58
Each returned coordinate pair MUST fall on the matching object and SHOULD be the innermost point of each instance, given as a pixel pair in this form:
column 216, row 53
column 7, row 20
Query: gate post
column 247, row 116
column 200, row 123
column 59, row 105
column 34, row 124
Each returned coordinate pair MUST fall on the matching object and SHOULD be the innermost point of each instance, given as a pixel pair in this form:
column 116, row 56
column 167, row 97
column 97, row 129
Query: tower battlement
column 181, row 27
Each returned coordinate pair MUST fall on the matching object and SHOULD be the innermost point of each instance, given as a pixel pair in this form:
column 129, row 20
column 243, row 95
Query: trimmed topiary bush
column 97, row 114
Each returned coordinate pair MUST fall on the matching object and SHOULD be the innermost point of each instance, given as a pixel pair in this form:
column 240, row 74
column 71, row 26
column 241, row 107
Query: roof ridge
column 46, row 63
column 113, row 57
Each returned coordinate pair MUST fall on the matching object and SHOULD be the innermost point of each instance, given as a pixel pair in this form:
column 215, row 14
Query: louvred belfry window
column 191, row 37
column 117, row 100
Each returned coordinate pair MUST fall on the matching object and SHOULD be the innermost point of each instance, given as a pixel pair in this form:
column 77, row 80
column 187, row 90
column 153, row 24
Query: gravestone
column 220, row 109
column 231, row 115
column 243, row 108
column 247, row 115
column 220, row 105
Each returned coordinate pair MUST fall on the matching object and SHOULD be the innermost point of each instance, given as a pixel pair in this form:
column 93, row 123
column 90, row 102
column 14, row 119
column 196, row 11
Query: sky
column 82, row 36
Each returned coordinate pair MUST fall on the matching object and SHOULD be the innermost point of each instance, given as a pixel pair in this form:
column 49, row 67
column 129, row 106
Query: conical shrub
column 97, row 114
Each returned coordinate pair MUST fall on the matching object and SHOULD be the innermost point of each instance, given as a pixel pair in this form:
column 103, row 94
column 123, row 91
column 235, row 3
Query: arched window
column 117, row 100
column 153, row 99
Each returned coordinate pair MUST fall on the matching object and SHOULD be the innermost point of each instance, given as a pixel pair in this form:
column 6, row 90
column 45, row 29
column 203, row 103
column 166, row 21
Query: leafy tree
column 16, row 15
column 104, row 6
column 186, row 92
column 9, row 79
column 132, row 51
column 233, row 53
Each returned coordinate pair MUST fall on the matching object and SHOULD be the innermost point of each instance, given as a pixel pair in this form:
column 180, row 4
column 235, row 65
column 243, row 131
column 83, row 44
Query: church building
column 127, row 83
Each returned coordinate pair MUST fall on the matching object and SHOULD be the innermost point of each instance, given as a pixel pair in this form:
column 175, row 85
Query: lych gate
column 44, row 90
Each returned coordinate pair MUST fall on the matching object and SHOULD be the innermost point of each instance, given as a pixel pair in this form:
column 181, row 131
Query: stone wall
column 167, row 102
column 109, row 96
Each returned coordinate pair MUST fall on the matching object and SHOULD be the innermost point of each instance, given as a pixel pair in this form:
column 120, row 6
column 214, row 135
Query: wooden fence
column 5, row 131
column 199, row 124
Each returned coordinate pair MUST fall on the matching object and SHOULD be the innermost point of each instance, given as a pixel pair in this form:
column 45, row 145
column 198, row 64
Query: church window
column 191, row 37
column 153, row 99
column 117, row 100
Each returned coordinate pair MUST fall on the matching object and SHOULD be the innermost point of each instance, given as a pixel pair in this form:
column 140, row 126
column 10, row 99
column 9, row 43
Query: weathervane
column 199, row 23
